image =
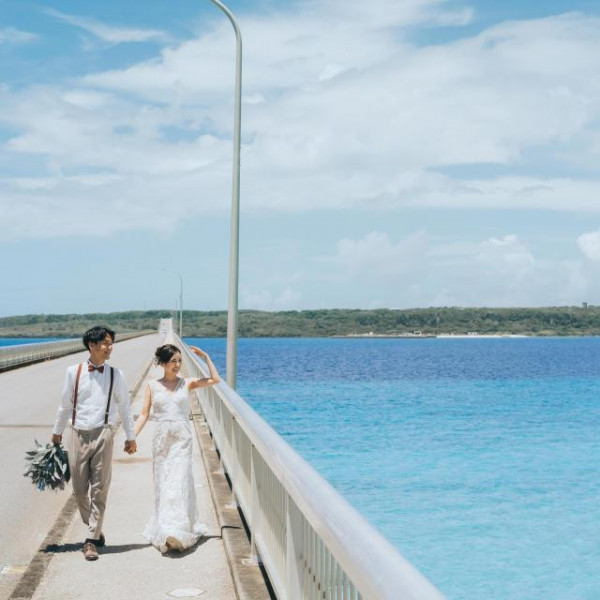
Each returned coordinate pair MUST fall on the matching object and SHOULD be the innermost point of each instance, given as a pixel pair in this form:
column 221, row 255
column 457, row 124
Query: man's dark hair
column 97, row 334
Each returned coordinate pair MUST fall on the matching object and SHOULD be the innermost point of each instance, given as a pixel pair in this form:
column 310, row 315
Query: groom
column 92, row 395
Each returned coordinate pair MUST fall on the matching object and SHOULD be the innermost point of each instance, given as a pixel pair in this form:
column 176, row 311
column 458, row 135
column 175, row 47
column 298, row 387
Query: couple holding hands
column 93, row 394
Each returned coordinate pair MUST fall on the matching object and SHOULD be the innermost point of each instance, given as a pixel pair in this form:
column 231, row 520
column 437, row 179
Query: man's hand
column 130, row 446
column 56, row 439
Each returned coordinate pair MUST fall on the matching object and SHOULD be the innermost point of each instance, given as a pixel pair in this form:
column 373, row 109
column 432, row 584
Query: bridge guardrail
column 311, row 541
column 22, row 354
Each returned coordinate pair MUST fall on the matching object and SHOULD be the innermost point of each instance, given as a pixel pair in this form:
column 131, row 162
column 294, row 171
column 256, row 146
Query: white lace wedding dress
column 175, row 511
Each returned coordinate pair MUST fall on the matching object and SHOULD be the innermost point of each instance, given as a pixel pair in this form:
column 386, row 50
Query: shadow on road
column 62, row 548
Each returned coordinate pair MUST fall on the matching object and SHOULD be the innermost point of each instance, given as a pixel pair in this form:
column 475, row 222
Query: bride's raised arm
column 214, row 374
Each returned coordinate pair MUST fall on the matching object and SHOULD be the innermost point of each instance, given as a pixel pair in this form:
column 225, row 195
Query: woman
column 174, row 524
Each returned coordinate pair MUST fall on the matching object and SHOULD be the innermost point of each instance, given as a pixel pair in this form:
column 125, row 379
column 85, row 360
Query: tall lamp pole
column 234, row 242
column 180, row 298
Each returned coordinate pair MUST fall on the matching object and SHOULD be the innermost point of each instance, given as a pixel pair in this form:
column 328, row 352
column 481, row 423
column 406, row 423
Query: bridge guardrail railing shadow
column 312, row 543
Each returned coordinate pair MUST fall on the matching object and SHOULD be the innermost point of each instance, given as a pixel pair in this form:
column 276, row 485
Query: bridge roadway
column 28, row 518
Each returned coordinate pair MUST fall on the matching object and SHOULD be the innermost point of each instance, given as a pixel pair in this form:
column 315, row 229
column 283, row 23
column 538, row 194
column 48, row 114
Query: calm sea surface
column 478, row 458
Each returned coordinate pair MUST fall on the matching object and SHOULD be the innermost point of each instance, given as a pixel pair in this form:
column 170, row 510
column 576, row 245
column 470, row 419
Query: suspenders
column 112, row 377
column 75, row 394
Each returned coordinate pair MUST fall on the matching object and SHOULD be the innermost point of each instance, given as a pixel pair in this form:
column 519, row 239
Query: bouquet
column 48, row 466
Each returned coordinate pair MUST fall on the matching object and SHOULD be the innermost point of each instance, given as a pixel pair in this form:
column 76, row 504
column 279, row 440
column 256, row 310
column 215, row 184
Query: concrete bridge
column 277, row 528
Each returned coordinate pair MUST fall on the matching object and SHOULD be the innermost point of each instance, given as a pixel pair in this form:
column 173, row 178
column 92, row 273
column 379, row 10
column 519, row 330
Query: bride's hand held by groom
column 130, row 447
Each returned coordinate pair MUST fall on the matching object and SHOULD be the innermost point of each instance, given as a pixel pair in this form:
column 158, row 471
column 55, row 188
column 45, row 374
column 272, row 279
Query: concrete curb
column 37, row 567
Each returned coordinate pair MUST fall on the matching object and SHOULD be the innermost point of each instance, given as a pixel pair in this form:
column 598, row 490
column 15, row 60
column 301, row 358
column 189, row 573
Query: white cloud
column 10, row 35
column 108, row 33
column 287, row 299
column 420, row 271
column 340, row 112
column 81, row 128
column 589, row 244
column 383, row 13
column 375, row 259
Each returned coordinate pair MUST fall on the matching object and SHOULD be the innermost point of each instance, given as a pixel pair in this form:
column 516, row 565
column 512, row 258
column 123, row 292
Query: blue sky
column 395, row 154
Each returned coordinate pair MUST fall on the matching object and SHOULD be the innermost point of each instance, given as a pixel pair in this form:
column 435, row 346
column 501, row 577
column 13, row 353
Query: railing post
column 218, row 436
column 234, row 472
column 294, row 568
column 254, row 506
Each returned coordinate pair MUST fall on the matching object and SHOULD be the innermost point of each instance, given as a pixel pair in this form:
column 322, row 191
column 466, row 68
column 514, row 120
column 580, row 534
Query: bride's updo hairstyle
column 165, row 353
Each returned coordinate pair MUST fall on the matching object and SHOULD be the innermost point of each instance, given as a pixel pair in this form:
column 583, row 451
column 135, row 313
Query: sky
column 395, row 153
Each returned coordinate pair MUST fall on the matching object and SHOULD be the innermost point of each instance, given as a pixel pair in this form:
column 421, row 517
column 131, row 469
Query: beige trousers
column 91, row 471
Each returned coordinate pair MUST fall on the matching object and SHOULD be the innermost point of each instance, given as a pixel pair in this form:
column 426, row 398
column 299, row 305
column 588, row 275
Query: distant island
column 417, row 322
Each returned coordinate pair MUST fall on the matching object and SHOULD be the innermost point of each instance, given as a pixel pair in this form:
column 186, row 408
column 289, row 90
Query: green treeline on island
column 545, row 321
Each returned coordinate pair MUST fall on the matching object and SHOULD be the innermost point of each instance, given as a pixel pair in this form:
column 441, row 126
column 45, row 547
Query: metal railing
column 22, row 354
column 312, row 543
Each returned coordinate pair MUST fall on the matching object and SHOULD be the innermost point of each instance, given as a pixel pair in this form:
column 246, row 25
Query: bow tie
column 91, row 368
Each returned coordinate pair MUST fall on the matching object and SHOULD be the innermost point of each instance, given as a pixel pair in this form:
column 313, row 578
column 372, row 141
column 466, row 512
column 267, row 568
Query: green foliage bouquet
column 48, row 466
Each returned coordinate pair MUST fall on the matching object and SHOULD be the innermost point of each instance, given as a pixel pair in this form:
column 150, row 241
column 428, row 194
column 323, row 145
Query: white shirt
column 92, row 398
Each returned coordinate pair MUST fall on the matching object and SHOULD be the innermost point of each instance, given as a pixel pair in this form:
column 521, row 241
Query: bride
column 174, row 524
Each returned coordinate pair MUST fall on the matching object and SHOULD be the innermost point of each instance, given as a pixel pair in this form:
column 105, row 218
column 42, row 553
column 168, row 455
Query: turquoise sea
column 478, row 458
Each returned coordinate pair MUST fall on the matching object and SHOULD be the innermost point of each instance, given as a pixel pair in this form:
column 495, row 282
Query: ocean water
column 20, row 341
column 478, row 458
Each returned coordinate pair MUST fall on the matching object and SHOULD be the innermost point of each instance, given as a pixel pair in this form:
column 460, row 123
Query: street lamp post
column 234, row 242
column 180, row 298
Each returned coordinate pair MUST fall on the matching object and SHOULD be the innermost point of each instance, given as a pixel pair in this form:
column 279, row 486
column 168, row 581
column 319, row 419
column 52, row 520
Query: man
column 92, row 395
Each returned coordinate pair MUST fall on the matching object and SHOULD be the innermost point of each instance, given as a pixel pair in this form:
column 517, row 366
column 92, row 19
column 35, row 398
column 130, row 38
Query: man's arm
column 65, row 408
